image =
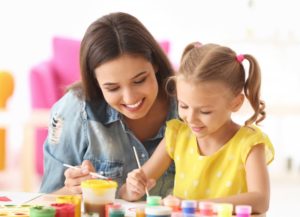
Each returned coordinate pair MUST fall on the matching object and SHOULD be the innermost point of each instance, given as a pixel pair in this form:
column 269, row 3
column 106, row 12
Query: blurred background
column 37, row 35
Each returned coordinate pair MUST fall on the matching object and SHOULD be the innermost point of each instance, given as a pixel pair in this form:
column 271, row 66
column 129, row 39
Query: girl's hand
column 136, row 184
column 74, row 177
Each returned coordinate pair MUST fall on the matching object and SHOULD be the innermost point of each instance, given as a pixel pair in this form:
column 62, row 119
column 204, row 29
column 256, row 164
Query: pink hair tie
column 240, row 58
column 197, row 44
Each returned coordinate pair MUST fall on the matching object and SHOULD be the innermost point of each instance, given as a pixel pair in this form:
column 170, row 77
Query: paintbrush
column 91, row 173
column 139, row 165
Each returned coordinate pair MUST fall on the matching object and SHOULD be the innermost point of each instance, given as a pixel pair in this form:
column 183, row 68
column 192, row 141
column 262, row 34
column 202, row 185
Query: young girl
column 215, row 158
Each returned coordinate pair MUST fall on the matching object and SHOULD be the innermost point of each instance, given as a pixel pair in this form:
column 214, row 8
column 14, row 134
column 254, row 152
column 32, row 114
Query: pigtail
column 252, row 91
column 188, row 48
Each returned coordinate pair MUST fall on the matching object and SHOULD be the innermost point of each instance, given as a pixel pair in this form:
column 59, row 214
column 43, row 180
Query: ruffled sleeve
column 171, row 133
column 255, row 137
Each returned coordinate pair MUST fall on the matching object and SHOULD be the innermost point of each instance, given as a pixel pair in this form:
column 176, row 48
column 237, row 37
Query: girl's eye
column 139, row 81
column 183, row 106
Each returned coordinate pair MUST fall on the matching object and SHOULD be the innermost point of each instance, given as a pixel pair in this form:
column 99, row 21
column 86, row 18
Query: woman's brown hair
column 111, row 36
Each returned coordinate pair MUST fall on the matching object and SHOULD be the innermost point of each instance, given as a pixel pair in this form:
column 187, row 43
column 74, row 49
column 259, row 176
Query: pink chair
column 49, row 79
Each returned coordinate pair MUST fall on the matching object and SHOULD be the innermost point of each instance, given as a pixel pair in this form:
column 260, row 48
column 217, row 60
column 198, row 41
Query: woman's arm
column 258, row 195
column 140, row 179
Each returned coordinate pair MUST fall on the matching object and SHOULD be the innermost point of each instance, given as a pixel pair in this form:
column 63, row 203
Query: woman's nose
column 128, row 96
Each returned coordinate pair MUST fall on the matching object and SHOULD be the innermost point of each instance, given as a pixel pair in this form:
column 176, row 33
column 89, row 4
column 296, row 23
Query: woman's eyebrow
column 139, row 74
column 136, row 76
column 109, row 84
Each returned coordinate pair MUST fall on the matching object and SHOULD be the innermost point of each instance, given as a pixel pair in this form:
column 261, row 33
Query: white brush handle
column 91, row 173
column 139, row 165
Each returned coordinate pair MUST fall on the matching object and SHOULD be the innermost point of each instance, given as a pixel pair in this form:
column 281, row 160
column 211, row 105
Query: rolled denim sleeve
column 66, row 141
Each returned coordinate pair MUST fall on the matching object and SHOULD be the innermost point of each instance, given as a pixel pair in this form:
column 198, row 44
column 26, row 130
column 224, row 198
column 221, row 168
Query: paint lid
column 224, row 209
column 64, row 206
column 243, row 209
column 171, row 201
column 42, row 211
column 99, row 184
column 189, row 204
column 116, row 207
column 206, row 205
column 153, row 200
column 116, row 210
column 158, row 210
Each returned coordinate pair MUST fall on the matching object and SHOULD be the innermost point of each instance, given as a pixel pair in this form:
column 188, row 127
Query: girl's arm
column 258, row 195
column 158, row 163
column 139, row 179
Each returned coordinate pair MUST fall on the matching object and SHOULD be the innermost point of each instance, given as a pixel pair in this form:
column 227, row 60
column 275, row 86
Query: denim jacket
column 79, row 131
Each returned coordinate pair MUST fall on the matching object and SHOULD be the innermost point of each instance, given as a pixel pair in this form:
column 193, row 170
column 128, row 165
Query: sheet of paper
column 17, row 198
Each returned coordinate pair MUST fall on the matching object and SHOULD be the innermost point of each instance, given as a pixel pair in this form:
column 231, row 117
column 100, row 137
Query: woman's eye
column 112, row 89
column 205, row 113
column 139, row 81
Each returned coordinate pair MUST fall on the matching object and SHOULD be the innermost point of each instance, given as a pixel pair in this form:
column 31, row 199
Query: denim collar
column 112, row 116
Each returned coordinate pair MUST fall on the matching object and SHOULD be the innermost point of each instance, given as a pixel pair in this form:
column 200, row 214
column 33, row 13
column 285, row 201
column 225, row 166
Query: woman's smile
column 134, row 107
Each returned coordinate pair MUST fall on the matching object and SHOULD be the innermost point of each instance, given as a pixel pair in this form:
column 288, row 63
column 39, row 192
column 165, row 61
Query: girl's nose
column 190, row 116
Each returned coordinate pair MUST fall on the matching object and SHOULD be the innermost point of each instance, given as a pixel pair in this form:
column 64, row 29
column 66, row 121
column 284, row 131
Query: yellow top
column 218, row 175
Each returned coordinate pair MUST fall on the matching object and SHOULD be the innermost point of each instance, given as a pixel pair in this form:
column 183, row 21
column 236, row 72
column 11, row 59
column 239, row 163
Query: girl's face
column 206, row 106
column 128, row 84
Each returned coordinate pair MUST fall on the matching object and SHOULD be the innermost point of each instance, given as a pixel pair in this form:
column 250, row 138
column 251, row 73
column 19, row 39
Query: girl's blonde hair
column 212, row 62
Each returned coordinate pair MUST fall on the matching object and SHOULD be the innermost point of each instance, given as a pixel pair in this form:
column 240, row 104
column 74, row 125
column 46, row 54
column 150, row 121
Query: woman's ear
column 155, row 68
column 237, row 102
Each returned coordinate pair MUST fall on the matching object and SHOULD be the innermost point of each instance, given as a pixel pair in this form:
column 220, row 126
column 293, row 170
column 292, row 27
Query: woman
column 120, row 103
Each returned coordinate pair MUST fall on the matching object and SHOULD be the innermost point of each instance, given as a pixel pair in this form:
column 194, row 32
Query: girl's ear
column 237, row 102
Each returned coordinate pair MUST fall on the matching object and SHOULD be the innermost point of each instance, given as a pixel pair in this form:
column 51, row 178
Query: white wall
column 268, row 29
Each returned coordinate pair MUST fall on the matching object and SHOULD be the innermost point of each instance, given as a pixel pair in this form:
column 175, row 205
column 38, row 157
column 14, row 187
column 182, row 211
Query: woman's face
column 128, row 84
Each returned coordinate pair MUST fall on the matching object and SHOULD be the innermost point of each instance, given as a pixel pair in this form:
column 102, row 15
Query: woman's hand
column 135, row 186
column 74, row 177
